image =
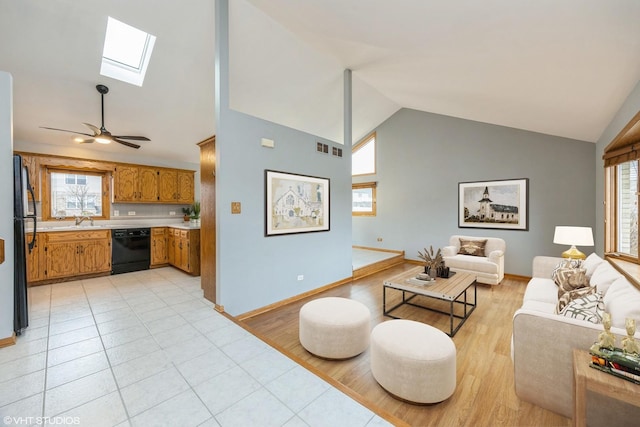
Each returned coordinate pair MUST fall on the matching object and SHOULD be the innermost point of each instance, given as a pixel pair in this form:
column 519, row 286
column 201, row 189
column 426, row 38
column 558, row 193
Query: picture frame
column 501, row 204
column 295, row 203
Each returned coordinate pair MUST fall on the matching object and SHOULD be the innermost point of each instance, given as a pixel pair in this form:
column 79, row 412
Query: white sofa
column 488, row 269
column 543, row 342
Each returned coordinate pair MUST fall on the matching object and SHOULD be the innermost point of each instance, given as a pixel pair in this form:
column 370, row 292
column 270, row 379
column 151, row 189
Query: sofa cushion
column 622, row 300
column 603, row 276
column 541, row 306
column 472, row 263
column 542, row 290
column 572, row 295
column 569, row 279
column 472, row 247
column 589, row 307
column 591, row 263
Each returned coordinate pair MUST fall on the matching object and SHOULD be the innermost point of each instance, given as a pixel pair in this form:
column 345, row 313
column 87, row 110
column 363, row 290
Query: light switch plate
column 235, row 207
column 269, row 143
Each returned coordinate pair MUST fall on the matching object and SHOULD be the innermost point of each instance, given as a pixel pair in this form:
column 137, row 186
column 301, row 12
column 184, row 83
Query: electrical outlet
column 131, row 213
column 379, row 239
column 300, row 276
column 116, row 213
column 172, row 213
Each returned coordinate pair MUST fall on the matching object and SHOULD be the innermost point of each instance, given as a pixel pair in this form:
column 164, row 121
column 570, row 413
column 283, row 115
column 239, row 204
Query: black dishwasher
column 130, row 249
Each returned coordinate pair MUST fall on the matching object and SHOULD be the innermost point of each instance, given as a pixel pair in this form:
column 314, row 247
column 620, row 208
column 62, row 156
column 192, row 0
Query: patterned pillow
column 472, row 247
column 589, row 308
column 569, row 279
column 567, row 297
column 566, row 263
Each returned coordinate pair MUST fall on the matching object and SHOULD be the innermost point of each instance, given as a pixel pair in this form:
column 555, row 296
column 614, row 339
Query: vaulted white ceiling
column 561, row 68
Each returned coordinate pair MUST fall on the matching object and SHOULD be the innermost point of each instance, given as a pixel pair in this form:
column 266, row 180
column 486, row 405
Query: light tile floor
column 146, row 349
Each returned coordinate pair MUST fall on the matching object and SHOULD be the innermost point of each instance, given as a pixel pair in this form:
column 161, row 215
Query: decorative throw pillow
column 569, row 279
column 589, row 308
column 567, row 297
column 472, row 247
column 566, row 263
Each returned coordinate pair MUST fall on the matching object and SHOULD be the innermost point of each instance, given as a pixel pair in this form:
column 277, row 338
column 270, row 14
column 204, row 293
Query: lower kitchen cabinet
column 184, row 250
column 76, row 253
column 159, row 246
column 35, row 264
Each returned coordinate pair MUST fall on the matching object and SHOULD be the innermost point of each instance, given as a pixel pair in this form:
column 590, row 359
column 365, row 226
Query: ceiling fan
column 102, row 135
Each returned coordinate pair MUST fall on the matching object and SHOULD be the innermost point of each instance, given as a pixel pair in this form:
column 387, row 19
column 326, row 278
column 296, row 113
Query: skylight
column 126, row 52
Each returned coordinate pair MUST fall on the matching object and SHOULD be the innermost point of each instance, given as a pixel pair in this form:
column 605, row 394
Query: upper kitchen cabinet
column 176, row 186
column 185, row 187
column 168, row 186
column 135, row 184
column 33, row 167
column 146, row 184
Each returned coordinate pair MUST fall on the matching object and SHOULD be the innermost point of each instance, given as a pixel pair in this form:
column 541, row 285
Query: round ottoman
column 413, row 361
column 335, row 328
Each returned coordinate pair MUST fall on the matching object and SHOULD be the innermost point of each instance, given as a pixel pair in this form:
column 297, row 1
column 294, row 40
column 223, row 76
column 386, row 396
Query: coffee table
column 453, row 290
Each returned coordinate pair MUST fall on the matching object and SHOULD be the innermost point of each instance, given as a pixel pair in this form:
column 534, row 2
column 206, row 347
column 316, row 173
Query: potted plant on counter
column 186, row 213
column 195, row 213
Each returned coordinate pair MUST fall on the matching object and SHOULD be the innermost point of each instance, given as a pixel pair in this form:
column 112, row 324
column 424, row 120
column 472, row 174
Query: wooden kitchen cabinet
column 184, row 250
column 33, row 167
column 135, row 184
column 35, row 265
column 185, row 187
column 171, row 245
column 74, row 253
column 176, row 186
column 159, row 246
column 168, row 186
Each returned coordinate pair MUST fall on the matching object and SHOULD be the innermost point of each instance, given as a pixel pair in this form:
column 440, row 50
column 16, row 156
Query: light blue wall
column 629, row 108
column 253, row 270
column 256, row 270
column 421, row 158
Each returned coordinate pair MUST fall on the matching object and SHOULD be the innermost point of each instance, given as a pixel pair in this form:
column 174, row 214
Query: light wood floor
column 485, row 393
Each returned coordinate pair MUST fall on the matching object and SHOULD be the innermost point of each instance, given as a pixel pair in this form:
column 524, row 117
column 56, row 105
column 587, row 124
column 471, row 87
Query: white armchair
column 488, row 269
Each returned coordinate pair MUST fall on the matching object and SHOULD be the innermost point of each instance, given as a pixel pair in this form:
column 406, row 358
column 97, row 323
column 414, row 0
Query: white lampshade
column 576, row 236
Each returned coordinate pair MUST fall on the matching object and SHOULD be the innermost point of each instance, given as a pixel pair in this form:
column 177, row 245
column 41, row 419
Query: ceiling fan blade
column 69, row 131
column 95, row 129
column 128, row 144
column 135, row 138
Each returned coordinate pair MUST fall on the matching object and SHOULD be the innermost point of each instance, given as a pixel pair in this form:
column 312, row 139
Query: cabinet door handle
column 77, row 249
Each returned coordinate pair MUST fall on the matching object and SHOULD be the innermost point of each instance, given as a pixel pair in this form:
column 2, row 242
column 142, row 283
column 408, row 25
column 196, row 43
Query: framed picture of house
column 295, row 203
column 494, row 204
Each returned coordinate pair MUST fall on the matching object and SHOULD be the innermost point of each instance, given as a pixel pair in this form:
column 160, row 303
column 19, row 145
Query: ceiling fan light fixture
column 102, row 140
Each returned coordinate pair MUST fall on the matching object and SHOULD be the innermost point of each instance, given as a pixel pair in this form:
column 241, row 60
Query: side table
column 588, row 378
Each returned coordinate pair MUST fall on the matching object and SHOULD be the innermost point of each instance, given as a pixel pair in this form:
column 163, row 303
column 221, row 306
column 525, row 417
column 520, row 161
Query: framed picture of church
column 499, row 204
column 295, row 203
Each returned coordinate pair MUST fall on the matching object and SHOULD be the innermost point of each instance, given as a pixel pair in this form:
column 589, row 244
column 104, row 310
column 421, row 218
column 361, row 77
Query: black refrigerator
column 21, row 214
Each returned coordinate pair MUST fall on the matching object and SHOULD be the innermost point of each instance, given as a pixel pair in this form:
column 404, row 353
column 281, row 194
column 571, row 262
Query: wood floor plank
column 484, row 393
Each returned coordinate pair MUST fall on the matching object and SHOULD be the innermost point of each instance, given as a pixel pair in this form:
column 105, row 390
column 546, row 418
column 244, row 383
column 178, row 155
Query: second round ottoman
column 335, row 328
column 413, row 361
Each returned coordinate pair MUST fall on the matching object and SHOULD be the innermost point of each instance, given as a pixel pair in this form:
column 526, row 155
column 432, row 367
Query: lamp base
column 573, row 253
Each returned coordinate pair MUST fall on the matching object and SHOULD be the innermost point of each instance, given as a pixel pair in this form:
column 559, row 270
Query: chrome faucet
column 80, row 219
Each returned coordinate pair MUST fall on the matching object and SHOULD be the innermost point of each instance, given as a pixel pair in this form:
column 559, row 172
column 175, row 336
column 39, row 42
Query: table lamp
column 574, row 236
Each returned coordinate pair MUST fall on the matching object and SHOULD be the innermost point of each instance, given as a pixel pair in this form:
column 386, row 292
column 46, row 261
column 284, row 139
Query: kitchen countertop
column 55, row 226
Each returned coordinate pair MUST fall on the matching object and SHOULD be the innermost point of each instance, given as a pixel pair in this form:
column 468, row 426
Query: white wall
column 6, row 207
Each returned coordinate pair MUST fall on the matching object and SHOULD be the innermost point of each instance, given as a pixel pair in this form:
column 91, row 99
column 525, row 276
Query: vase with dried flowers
column 433, row 263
